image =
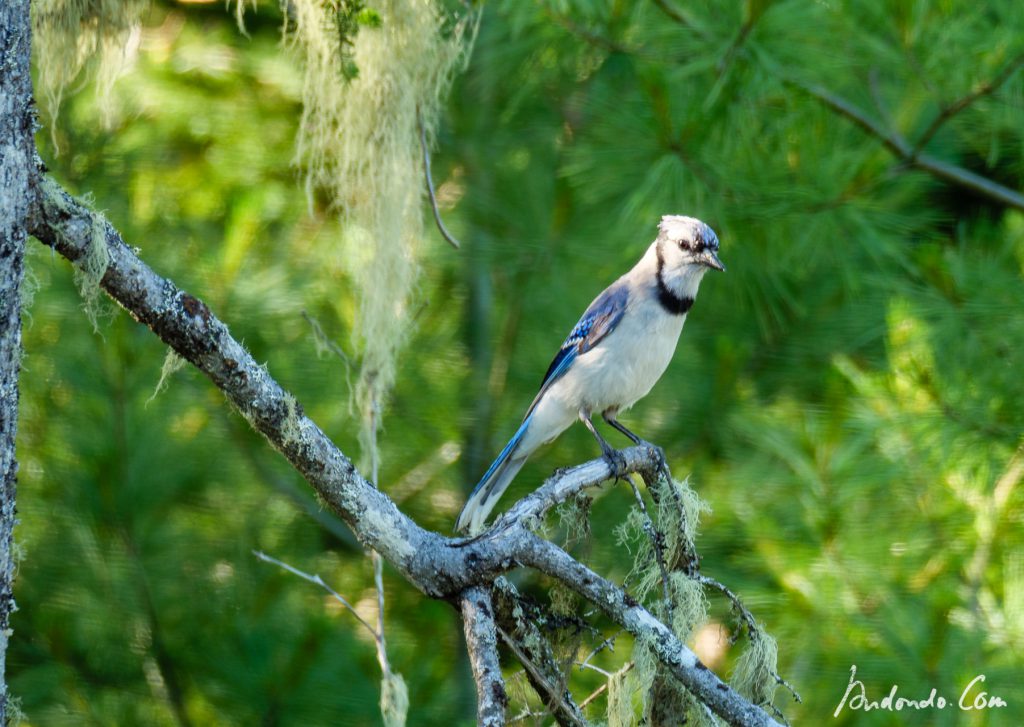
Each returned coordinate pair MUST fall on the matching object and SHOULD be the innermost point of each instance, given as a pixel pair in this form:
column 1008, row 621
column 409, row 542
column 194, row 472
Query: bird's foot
column 659, row 454
column 616, row 462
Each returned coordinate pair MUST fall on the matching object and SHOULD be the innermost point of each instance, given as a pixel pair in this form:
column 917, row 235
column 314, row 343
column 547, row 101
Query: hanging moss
column 754, row 673
column 678, row 516
column 574, row 517
column 172, row 363
column 621, row 688
column 359, row 141
column 75, row 37
column 394, row 700
column 689, row 605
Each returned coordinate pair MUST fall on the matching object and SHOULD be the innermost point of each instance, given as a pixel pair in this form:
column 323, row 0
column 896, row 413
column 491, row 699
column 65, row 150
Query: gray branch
column 625, row 611
column 482, row 645
column 448, row 568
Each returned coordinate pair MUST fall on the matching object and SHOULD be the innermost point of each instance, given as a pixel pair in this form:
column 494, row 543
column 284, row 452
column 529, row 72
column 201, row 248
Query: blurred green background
column 848, row 398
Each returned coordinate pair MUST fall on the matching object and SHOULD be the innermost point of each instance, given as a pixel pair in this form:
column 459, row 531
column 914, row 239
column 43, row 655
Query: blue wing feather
column 600, row 319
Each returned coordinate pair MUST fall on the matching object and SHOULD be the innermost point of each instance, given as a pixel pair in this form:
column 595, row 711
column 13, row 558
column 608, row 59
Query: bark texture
column 16, row 184
column 482, row 644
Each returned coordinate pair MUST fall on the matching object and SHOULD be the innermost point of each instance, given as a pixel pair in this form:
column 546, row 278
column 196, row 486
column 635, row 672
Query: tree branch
column 948, row 112
column 482, row 644
column 898, row 145
column 569, row 482
column 625, row 611
column 186, row 324
column 451, row 569
column 911, row 155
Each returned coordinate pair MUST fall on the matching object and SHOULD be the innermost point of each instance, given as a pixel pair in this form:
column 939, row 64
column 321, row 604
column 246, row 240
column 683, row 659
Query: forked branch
column 457, row 570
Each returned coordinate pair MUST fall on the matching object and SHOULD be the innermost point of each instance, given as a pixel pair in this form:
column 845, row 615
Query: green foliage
column 847, row 397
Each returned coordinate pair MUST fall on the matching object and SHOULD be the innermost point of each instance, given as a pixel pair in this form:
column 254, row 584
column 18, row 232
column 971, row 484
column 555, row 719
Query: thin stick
column 604, row 687
column 535, row 672
column 737, row 604
column 378, row 562
column 430, row 185
column 748, row 618
column 963, row 102
column 608, row 643
column 317, row 580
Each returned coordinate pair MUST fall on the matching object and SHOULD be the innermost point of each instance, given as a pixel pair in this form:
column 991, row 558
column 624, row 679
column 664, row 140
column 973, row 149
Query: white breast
column 624, row 367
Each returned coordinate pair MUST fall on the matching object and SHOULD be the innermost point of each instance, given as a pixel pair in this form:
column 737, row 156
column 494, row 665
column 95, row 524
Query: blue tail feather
column 502, row 456
column 482, row 491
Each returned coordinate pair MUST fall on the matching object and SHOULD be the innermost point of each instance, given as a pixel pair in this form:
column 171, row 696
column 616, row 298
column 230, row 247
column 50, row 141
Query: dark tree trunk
column 16, row 170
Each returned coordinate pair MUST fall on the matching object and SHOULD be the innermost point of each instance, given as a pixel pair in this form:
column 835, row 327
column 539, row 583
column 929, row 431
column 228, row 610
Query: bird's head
column 686, row 244
column 685, row 249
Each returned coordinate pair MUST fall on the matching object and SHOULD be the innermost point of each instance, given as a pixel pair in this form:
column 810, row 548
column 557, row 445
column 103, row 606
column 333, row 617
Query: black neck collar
column 672, row 303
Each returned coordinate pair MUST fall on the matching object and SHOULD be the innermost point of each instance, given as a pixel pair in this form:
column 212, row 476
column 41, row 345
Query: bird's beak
column 710, row 259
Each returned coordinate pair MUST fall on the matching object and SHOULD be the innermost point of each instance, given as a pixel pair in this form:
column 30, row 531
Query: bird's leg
column 615, row 459
column 609, row 416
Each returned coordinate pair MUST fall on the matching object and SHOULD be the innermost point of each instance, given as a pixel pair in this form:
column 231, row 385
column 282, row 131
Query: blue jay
column 613, row 357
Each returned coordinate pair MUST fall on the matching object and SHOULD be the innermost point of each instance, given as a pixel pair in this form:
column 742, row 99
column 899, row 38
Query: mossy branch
column 445, row 568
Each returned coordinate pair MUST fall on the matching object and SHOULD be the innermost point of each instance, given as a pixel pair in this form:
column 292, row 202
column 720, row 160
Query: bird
column 612, row 358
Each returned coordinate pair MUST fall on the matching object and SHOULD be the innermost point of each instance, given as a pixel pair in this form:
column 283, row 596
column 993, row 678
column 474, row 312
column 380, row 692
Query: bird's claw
column 616, row 462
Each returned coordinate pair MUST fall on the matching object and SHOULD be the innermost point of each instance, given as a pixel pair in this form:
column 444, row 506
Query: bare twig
column 748, row 620
column 742, row 611
column 430, row 184
column 323, row 340
column 556, row 701
column 604, row 687
column 792, row 690
column 984, row 89
column 317, row 580
column 584, row 666
column 526, row 714
column 482, row 644
column 608, row 643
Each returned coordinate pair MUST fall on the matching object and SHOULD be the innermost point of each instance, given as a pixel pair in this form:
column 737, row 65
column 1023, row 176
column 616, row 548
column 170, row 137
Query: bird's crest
column 688, row 232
